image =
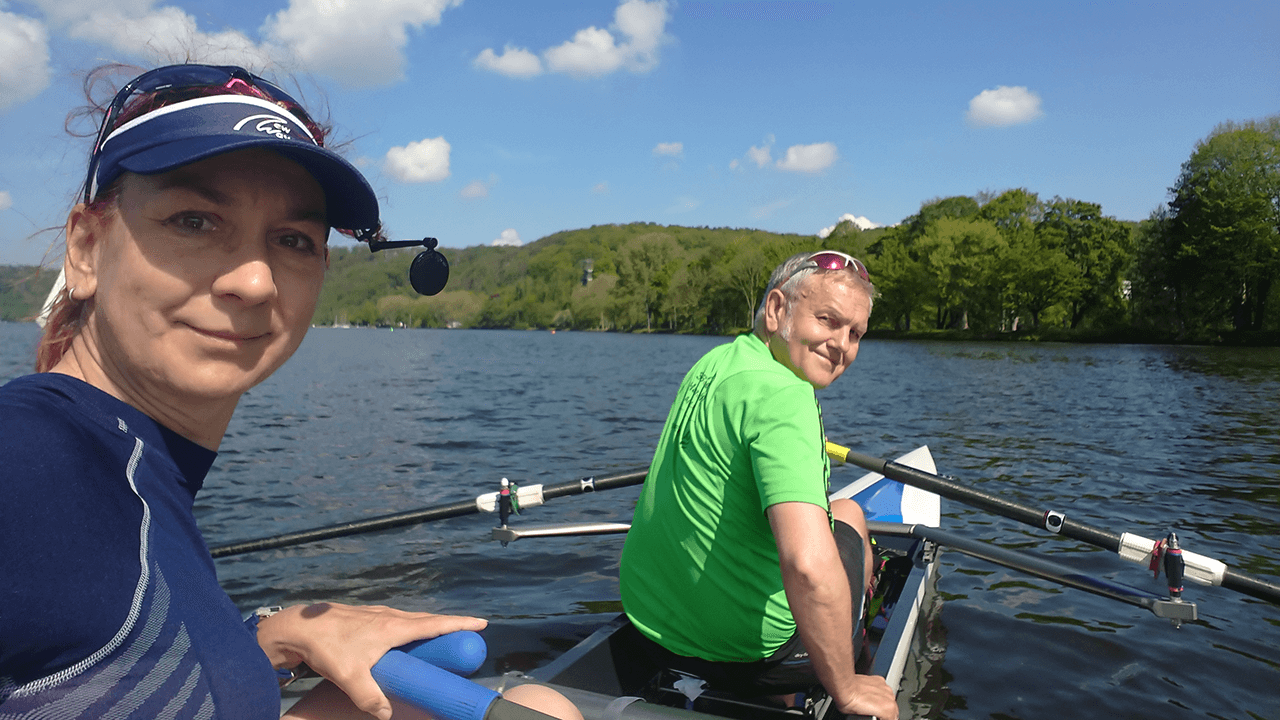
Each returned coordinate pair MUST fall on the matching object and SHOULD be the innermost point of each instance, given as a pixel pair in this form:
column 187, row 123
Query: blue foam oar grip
column 461, row 653
column 426, row 687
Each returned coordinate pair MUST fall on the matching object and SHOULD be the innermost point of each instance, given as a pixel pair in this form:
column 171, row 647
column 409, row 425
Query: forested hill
column 628, row 277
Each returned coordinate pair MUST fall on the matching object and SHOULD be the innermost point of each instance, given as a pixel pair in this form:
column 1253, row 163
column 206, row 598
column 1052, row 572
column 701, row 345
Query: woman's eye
column 302, row 243
column 192, row 221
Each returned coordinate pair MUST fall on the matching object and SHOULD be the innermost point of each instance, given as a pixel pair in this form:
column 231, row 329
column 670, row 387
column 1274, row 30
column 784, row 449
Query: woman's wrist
column 272, row 627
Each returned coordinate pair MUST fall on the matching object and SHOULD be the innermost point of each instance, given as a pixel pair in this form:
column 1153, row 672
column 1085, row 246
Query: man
column 736, row 566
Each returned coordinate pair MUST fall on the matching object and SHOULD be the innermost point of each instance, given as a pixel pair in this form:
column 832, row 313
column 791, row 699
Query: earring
column 71, row 294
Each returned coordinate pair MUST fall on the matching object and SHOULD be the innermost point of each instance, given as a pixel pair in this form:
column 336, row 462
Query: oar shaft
column 1052, row 571
column 1215, row 572
column 422, row 515
column 952, row 490
column 384, row 522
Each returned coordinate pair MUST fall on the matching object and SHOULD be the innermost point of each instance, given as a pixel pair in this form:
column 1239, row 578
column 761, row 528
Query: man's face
column 818, row 336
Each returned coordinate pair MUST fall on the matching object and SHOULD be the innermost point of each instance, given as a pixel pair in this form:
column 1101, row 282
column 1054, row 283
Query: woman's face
column 205, row 278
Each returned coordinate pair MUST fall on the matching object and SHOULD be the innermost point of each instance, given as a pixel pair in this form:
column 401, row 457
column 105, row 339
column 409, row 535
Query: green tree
column 1038, row 274
column 901, row 277
column 689, row 285
column 645, row 265
column 961, row 259
column 590, row 303
column 1099, row 248
column 1013, row 211
column 1223, row 237
column 747, row 272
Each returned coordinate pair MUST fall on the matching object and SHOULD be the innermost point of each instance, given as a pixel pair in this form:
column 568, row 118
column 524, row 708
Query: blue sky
column 480, row 121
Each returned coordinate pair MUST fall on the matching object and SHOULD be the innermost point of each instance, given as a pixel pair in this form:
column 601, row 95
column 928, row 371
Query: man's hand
column 867, row 695
column 818, row 593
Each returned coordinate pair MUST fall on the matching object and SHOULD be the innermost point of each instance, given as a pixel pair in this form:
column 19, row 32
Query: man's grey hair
column 791, row 273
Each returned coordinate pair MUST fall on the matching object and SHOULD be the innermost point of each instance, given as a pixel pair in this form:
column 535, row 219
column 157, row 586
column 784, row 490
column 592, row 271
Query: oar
column 506, row 533
column 1199, row 568
column 526, row 496
column 1174, row 609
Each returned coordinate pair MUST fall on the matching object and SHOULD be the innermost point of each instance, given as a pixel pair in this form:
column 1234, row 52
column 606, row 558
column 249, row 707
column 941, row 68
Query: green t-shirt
column 700, row 573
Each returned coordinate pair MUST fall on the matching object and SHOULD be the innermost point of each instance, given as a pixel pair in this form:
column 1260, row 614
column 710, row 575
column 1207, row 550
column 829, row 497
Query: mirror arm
column 376, row 245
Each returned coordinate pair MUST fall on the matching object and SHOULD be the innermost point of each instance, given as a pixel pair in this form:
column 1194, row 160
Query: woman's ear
column 775, row 309
column 84, row 243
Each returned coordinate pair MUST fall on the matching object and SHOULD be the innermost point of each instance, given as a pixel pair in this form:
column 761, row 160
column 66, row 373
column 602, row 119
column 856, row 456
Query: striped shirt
column 109, row 603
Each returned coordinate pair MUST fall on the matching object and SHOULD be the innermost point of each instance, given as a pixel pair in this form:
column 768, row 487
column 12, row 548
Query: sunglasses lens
column 839, row 261
column 830, row 261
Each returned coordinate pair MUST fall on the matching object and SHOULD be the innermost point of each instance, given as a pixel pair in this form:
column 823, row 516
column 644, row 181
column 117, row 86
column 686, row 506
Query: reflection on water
column 1129, row 438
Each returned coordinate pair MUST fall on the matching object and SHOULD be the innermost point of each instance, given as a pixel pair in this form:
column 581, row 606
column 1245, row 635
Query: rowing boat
column 607, row 676
column 608, row 673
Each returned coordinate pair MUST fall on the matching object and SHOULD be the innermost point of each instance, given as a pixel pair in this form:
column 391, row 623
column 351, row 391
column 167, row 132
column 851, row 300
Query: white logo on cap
column 270, row 124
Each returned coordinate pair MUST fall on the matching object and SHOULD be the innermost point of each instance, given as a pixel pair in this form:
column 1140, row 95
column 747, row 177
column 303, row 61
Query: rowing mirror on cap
column 429, row 272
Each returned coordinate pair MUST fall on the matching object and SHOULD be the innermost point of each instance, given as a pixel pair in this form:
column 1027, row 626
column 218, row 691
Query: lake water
column 1130, row 438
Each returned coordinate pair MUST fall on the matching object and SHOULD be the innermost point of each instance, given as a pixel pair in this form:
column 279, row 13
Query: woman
column 192, row 269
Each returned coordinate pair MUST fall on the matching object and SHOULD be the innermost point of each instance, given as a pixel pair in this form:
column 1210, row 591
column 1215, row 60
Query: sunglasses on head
column 176, row 78
column 834, row 260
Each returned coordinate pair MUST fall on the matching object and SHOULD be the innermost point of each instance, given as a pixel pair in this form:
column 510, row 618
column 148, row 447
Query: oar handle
column 439, row 692
column 461, row 653
column 412, row 680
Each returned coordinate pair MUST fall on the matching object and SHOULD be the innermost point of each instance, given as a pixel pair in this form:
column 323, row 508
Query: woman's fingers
column 342, row 642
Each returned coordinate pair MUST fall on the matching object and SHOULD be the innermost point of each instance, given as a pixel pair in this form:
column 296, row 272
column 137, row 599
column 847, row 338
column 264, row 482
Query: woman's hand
column 342, row 643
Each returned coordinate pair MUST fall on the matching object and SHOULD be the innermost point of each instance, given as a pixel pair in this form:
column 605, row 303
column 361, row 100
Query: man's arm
column 818, row 594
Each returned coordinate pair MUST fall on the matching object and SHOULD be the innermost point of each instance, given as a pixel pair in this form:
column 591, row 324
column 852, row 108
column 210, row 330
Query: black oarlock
column 1174, row 565
column 504, row 503
column 504, row 506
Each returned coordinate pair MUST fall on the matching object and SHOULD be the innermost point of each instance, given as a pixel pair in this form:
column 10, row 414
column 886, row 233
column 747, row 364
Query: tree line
column 1201, row 267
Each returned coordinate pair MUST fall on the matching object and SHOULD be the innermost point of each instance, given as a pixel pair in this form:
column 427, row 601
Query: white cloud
column 513, row 62
column 601, row 188
column 592, row 52
column 419, row 162
column 860, row 222
column 159, row 34
column 640, row 27
column 1004, row 106
column 809, row 158
column 359, row 43
column 24, row 59
column 734, row 164
column 762, row 155
column 6, row 200
column 672, row 149
column 509, row 238
column 475, row 189
column 356, row 42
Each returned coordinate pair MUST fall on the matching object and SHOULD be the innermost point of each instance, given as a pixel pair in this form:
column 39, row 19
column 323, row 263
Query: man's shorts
column 788, row 669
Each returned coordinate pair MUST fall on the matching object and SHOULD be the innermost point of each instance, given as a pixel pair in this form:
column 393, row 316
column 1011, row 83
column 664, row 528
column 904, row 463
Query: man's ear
column 775, row 310
column 84, row 243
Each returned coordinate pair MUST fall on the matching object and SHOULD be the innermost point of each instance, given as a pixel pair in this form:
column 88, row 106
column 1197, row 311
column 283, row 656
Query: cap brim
column 350, row 202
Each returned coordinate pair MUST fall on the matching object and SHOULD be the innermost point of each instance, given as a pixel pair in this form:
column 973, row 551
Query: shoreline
column 1114, row 336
